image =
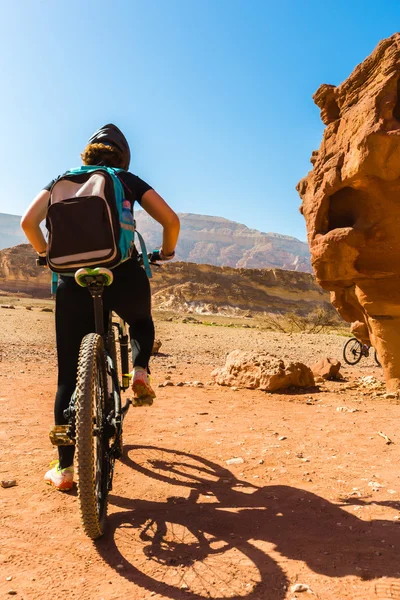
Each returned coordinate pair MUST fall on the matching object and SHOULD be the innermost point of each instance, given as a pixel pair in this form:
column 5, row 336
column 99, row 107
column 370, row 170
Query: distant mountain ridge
column 205, row 240
column 181, row 287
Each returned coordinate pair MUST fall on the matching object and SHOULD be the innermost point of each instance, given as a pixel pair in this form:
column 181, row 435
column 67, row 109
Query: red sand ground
column 315, row 501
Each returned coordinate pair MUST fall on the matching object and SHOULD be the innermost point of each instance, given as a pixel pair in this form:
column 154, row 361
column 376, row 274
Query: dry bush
column 319, row 320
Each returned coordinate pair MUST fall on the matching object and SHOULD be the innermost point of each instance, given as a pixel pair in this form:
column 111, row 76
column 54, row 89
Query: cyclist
column 128, row 296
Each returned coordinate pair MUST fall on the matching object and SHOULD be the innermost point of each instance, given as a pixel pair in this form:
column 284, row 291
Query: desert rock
column 327, row 368
column 261, row 371
column 351, row 200
column 156, row 346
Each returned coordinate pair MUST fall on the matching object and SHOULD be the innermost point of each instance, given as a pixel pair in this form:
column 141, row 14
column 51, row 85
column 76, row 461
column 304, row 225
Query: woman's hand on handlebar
column 158, row 255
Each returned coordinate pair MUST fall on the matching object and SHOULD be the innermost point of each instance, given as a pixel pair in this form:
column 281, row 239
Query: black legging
column 129, row 296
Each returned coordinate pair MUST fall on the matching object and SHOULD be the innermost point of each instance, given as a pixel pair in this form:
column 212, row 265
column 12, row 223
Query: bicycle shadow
column 224, row 516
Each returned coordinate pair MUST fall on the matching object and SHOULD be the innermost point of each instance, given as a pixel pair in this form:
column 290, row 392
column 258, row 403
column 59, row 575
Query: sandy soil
column 315, row 500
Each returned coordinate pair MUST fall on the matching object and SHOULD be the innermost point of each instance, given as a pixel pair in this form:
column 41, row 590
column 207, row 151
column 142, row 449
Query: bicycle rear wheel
column 91, row 436
column 352, row 351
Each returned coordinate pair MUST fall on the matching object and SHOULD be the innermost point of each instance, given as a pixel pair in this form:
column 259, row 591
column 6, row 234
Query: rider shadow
column 223, row 514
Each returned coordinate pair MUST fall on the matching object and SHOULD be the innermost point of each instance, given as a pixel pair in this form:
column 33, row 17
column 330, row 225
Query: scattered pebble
column 300, row 587
column 235, row 461
column 7, row 483
column 375, row 485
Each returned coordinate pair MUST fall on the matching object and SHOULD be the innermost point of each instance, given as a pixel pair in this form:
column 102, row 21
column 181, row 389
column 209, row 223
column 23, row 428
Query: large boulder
column 351, row 200
column 261, row 371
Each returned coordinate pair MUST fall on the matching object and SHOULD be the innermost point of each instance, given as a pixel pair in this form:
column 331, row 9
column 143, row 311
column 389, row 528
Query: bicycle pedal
column 58, row 435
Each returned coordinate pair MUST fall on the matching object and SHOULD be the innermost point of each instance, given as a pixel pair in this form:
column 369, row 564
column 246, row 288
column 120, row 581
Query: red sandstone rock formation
column 360, row 331
column 351, row 200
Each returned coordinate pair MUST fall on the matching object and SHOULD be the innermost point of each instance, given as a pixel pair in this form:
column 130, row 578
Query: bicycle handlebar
column 153, row 257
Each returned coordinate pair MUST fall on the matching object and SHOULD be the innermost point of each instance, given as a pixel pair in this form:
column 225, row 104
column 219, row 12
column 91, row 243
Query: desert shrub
column 275, row 322
column 319, row 320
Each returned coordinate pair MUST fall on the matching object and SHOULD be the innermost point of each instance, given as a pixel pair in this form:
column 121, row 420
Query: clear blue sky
column 213, row 95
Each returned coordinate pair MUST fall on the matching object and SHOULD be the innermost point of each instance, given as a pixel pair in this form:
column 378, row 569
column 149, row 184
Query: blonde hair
column 94, row 154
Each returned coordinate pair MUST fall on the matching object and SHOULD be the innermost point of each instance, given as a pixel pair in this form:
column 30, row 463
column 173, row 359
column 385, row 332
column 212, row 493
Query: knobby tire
column 91, row 394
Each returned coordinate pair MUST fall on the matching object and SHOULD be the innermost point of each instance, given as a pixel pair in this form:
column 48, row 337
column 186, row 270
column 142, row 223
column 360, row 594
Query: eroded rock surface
column 19, row 273
column 360, row 331
column 191, row 288
column 265, row 372
column 351, row 200
column 327, row 368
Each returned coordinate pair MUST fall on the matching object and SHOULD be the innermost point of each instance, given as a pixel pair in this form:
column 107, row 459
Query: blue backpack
column 90, row 222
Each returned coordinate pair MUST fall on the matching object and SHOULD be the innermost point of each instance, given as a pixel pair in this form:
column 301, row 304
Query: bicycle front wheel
column 352, row 351
column 91, row 440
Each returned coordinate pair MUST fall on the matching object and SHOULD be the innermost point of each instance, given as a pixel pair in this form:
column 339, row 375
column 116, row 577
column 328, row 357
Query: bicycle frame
column 115, row 412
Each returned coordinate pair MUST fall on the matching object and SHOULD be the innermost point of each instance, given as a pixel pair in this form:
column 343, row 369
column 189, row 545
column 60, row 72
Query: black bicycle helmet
column 112, row 136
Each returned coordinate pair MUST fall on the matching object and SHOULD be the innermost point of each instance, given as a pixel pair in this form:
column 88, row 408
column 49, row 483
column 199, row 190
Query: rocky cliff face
column 205, row 289
column 350, row 200
column 188, row 287
column 218, row 241
column 19, row 273
column 203, row 239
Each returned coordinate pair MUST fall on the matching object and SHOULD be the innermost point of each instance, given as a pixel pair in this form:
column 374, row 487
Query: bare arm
column 32, row 218
column 157, row 208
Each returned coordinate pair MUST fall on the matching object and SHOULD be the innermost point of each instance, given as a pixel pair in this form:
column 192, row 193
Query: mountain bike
column 95, row 414
column 354, row 350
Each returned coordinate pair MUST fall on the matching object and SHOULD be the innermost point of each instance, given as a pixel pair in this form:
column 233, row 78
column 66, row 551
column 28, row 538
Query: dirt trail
column 315, row 500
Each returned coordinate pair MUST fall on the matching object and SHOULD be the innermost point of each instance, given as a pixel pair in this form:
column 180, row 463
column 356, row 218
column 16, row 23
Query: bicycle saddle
column 100, row 276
